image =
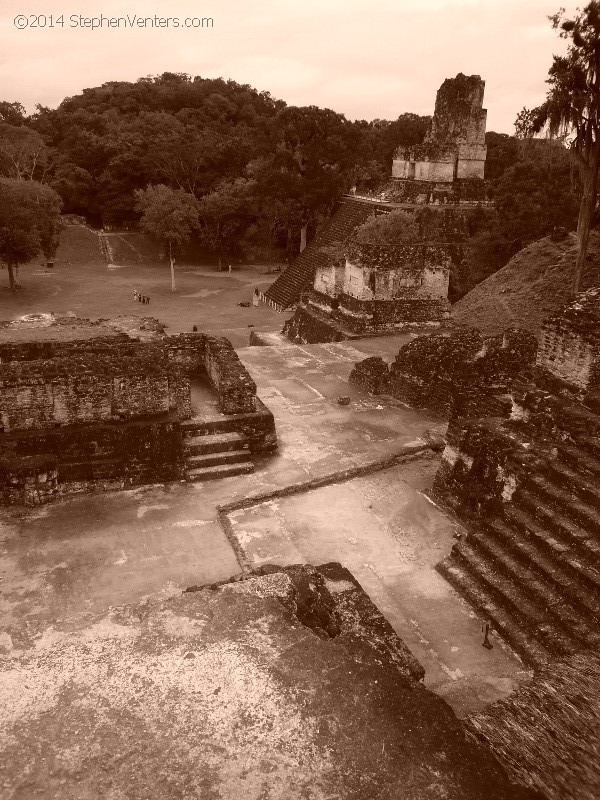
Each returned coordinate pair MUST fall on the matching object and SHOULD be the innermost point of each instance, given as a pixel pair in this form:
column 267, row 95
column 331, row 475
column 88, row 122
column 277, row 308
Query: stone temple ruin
column 378, row 289
column 118, row 404
column 520, row 468
column 530, row 471
column 254, row 665
column 454, row 147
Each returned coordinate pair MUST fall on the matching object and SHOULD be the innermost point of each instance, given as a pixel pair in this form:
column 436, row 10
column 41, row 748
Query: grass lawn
column 83, row 283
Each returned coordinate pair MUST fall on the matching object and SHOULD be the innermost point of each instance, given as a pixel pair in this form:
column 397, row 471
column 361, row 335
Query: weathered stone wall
column 570, row 343
column 473, row 191
column 306, row 327
column 541, row 408
column 76, row 413
column 90, row 387
column 197, row 354
column 387, row 273
column 318, row 318
column 35, row 466
column 235, row 387
column 454, row 146
column 461, row 372
column 482, row 464
column 45, row 350
column 187, row 352
column 63, row 383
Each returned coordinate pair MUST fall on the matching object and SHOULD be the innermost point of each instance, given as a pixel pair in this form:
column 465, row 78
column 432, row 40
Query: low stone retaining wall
column 82, row 412
column 130, row 453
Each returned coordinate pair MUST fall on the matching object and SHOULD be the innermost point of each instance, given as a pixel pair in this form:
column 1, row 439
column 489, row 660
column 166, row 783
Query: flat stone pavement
column 390, row 536
column 83, row 555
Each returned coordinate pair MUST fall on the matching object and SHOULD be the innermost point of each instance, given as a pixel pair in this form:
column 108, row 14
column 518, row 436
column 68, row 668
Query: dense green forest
column 263, row 174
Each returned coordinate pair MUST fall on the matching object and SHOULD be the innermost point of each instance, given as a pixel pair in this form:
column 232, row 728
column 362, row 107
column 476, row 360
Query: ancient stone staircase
column 212, row 451
column 300, row 275
column 534, row 571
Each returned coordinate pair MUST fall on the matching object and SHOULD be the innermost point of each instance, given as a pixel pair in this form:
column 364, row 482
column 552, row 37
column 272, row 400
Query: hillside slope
column 78, row 245
column 534, row 284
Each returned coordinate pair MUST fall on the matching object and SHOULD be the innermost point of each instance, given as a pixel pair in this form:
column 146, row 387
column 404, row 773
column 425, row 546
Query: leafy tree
column 388, row 230
column 310, row 163
column 12, row 113
column 572, row 107
column 525, row 124
column 502, row 152
column 222, row 212
column 29, row 223
column 170, row 215
column 533, row 196
column 23, row 153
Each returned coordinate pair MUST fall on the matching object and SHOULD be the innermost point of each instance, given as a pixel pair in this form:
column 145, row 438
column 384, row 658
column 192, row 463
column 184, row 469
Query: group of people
column 141, row 298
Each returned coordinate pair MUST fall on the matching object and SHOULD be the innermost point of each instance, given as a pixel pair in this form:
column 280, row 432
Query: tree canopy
column 207, row 137
column 170, row 215
column 388, row 230
column 29, row 223
column 572, row 107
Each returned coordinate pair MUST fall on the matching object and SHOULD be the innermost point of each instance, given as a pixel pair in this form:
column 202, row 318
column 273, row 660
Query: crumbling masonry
column 525, row 479
column 85, row 404
column 380, row 290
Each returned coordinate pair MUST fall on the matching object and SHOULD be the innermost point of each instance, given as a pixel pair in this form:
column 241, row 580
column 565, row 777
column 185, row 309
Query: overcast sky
column 363, row 58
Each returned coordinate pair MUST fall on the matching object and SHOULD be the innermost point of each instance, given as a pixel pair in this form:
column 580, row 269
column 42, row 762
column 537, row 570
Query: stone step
column 541, row 579
column 219, row 471
column 582, row 455
column 214, row 459
column 592, row 401
column 565, row 502
column 214, row 443
column 534, row 618
column 552, row 519
column 577, row 420
column 471, row 589
column 571, row 480
column 591, row 444
column 574, row 561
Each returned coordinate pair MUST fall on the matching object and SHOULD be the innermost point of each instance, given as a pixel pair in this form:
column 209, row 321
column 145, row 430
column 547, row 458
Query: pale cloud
column 364, row 58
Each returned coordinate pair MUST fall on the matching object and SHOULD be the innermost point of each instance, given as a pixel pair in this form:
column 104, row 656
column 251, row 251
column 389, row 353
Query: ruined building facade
column 522, row 471
column 85, row 405
column 385, row 290
column 454, row 146
column 376, row 289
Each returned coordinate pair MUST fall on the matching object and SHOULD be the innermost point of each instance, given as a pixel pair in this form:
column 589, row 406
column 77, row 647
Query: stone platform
column 288, row 685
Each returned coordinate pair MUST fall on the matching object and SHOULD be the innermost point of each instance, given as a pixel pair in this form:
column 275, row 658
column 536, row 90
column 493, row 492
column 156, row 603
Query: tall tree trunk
column 584, row 222
column 172, row 267
column 288, row 245
column 303, row 236
column 11, row 278
column 218, row 244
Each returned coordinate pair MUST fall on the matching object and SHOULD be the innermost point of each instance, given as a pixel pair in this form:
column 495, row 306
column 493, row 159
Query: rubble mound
column 546, row 734
column 285, row 685
column 533, row 286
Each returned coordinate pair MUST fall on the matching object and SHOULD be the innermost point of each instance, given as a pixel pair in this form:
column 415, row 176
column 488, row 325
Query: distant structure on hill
column 454, row 146
column 447, row 170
